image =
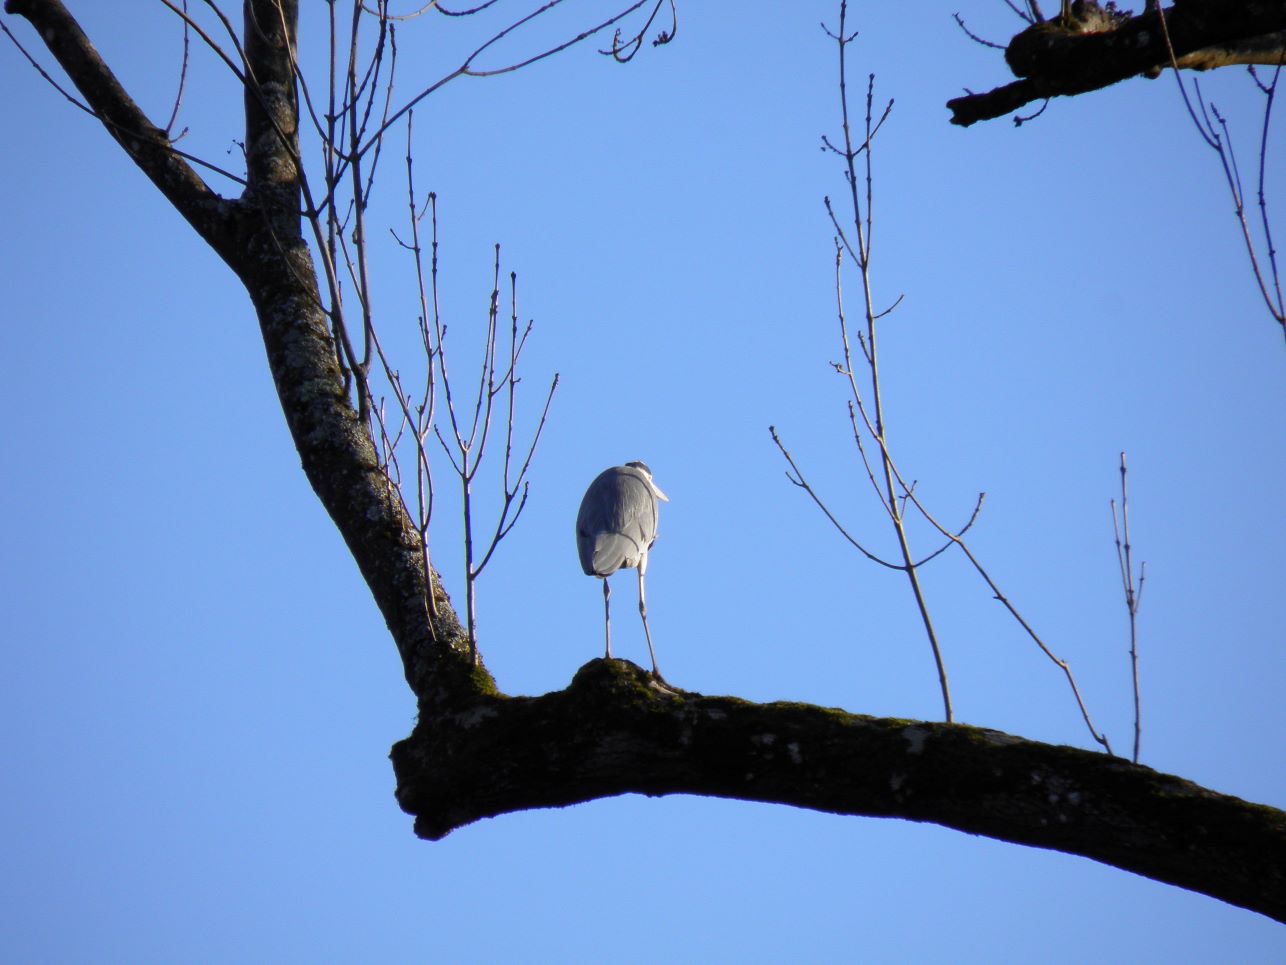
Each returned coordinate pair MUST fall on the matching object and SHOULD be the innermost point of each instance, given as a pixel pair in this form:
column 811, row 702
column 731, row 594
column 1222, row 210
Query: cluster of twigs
column 469, row 426
column 471, row 423
column 351, row 134
column 865, row 404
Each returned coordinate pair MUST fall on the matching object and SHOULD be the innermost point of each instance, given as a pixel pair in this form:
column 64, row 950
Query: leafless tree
column 476, row 752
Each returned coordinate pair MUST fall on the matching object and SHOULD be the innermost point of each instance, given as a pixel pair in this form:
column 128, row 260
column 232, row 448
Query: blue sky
column 200, row 695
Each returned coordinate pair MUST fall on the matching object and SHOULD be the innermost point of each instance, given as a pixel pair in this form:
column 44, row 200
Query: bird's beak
column 656, row 491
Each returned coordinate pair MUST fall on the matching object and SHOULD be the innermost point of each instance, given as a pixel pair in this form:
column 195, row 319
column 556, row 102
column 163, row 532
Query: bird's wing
column 616, row 523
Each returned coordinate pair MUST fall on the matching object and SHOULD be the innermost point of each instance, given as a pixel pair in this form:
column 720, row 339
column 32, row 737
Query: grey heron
column 615, row 528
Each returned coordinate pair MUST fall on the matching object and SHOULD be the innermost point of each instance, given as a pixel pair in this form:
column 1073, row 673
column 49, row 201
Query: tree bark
column 276, row 267
column 615, row 731
column 478, row 753
column 1057, row 61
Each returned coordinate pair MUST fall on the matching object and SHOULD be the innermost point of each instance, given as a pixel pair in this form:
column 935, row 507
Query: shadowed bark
column 1057, row 61
column 478, row 753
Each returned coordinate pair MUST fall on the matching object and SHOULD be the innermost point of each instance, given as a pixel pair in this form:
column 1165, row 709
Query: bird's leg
column 607, row 616
column 643, row 613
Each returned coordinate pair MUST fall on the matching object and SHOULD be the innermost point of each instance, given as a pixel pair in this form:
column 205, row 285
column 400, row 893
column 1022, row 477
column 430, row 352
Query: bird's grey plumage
column 616, row 525
column 615, row 529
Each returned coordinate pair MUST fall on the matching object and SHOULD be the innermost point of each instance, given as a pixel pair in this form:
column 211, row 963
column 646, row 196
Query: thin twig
column 183, row 75
column 796, row 478
column 957, row 540
column 1133, row 594
column 1219, row 141
column 618, row 49
column 466, row 68
column 973, row 36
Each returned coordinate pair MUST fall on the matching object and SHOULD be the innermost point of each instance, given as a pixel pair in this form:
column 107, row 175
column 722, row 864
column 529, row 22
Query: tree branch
column 613, row 731
column 260, row 238
column 1053, row 60
column 274, row 170
column 146, row 144
column 338, row 456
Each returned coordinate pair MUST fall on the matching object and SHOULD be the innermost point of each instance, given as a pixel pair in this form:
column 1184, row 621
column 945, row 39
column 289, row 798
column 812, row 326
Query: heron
column 615, row 528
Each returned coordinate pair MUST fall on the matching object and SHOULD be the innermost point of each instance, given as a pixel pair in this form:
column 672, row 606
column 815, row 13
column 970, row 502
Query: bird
column 615, row 529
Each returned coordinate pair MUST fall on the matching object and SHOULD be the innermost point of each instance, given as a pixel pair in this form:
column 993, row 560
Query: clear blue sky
column 199, row 695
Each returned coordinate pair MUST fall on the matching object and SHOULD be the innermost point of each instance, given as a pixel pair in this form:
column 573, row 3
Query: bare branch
column 858, row 247
column 623, row 51
column 973, row 518
column 466, row 69
column 1132, row 596
column 973, row 36
column 1216, row 136
column 235, row 66
column 1055, row 60
column 798, row 480
column 183, row 74
column 147, row 145
column 892, row 489
column 468, row 12
column 1031, row 15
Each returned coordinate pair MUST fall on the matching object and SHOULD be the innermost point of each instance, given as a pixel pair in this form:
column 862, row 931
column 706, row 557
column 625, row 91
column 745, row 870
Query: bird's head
column 646, row 473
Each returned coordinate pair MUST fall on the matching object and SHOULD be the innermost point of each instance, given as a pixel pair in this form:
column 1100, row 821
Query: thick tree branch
column 1053, row 60
column 273, row 164
column 341, row 465
column 614, row 731
column 337, row 454
column 145, row 143
column 1268, row 49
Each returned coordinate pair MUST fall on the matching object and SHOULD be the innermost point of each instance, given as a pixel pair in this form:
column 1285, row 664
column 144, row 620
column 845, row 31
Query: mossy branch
column 615, row 731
